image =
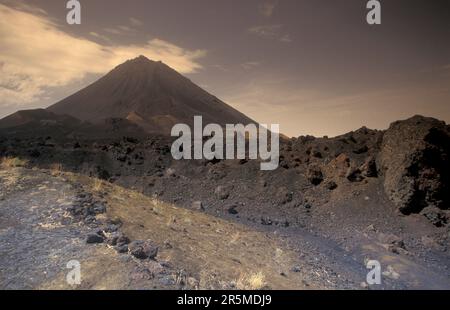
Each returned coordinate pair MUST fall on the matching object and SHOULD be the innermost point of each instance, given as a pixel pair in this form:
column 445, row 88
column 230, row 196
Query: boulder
column 315, row 175
column 414, row 159
column 331, row 185
column 198, row 205
column 94, row 238
column 222, row 192
column 369, row 168
column 354, row 174
column 143, row 249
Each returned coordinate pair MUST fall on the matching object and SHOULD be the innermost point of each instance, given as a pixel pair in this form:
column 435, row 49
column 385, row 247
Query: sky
column 312, row 66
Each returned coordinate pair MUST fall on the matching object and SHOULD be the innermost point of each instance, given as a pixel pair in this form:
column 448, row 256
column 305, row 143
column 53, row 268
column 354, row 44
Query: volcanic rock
column 414, row 159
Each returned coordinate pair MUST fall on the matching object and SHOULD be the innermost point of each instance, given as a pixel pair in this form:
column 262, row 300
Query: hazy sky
column 313, row 66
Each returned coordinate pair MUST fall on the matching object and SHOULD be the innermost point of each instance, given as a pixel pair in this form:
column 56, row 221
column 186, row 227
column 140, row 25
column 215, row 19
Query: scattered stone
column 94, row 238
column 193, row 282
column 232, row 210
column 371, row 228
column 307, row 206
column 167, row 245
column 266, row 221
column 354, row 175
column 316, row 154
column 222, row 192
column 369, row 168
column 391, row 273
column 143, row 249
column 284, row 164
column 90, row 219
column 198, row 205
column 97, row 208
column 315, row 175
column 110, row 228
column 331, row 185
column 121, row 248
column 430, row 243
column 361, row 150
column 393, row 243
column 170, row 172
column 284, row 196
column 437, row 217
column 340, row 164
column 117, row 239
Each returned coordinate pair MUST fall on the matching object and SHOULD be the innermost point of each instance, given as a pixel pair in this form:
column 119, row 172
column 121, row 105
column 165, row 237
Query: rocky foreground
column 333, row 204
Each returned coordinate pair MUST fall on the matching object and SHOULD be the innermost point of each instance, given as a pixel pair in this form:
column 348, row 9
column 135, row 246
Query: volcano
column 149, row 94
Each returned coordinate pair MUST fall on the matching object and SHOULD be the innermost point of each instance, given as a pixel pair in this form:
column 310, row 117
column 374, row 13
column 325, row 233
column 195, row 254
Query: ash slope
column 149, row 94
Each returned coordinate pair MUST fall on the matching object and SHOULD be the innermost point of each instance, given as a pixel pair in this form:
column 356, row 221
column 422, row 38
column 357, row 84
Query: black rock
column 232, row 210
column 315, row 175
column 94, row 238
column 354, row 175
column 331, row 185
column 121, row 248
column 266, row 221
column 414, row 160
column 143, row 249
column 361, row 150
column 369, row 168
column 222, row 192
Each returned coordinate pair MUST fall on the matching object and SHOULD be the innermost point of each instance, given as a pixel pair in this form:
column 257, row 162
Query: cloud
column 270, row 31
column 22, row 6
column 286, row 38
column 135, row 22
column 273, row 32
column 99, row 36
column 128, row 29
column 120, row 30
column 220, row 67
column 250, row 65
column 35, row 55
column 267, row 8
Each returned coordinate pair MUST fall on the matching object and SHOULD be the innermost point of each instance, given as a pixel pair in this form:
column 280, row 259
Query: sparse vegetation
column 253, row 281
column 11, row 162
column 98, row 185
column 56, row 169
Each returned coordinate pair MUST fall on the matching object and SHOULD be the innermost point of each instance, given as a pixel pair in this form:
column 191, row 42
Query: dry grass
column 98, row 185
column 253, row 281
column 11, row 162
column 56, row 169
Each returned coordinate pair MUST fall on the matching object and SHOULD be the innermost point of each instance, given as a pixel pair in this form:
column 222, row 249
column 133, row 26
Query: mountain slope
column 34, row 117
column 147, row 93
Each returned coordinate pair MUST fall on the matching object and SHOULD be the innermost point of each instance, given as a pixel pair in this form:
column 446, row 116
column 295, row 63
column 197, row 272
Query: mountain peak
column 142, row 59
column 150, row 94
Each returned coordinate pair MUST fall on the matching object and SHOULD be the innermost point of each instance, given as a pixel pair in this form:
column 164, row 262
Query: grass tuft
column 12, row 162
column 254, row 281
